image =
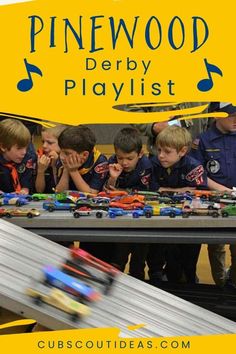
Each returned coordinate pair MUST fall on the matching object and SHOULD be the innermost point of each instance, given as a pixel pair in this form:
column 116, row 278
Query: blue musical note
column 207, row 84
column 27, row 84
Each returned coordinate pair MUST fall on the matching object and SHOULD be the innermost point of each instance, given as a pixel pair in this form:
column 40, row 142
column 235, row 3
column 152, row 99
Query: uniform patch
column 195, row 144
column 213, row 166
column 195, row 174
column 146, row 179
column 101, row 168
column 21, row 168
column 29, row 164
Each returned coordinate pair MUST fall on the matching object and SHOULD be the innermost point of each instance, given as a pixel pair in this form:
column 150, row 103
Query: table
column 131, row 302
column 62, row 226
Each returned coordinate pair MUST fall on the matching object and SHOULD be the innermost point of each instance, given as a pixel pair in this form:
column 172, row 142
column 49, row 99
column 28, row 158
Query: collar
column 90, row 162
column 177, row 165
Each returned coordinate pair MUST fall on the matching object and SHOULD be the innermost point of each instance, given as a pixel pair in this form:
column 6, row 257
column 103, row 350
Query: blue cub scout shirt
column 25, row 169
column 141, row 178
column 96, row 176
column 188, row 172
column 217, row 152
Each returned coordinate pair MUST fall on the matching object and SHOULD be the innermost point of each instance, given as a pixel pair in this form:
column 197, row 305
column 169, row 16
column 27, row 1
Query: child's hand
column 53, row 155
column 73, row 162
column 43, row 163
column 115, row 170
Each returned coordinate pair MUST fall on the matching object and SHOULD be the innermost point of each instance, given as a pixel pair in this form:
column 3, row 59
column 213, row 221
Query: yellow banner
column 80, row 61
column 107, row 340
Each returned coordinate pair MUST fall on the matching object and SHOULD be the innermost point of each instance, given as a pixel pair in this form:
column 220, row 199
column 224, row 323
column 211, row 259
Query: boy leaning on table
column 175, row 170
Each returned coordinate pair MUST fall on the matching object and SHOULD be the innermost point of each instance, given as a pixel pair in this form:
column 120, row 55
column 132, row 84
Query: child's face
column 128, row 160
column 50, row 143
column 14, row 154
column 169, row 156
column 226, row 125
column 67, row 154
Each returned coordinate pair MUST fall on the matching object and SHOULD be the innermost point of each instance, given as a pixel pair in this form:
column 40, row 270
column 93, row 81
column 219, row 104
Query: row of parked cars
column 118, row 203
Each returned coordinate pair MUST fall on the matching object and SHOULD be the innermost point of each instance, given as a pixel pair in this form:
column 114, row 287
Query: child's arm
column 43, row 163
column 63, row 183
column 115, row 170
column 80, row 183
column 217, row 186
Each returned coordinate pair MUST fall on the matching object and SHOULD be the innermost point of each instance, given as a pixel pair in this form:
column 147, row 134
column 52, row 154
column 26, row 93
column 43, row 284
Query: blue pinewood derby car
column 172, row 212
column 114, row 212
column 56, row 205
column 15, row 195
column 18, row 201
column 59, row 279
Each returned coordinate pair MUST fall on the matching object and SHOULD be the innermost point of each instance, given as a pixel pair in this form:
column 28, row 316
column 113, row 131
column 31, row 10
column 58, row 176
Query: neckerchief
column 40, row 152
column 14, row 176
column 96, row 155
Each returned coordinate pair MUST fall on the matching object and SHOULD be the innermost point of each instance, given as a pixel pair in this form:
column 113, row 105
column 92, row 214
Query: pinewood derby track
column 130, row 302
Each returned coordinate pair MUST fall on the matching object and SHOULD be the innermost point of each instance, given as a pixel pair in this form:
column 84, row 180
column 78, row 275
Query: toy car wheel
column 29, row 215
column 76, row 215
column 18, row 203
column 8, row 215
column 148, row 214
column 51, row 209
column 172, row 214
column 72, row 209
column 225, row 214
column 135, row 215
column 38, row 300
column 75, row 317
column 99, row 215
column 112, row 215
column 215, row 214
column 210, row 207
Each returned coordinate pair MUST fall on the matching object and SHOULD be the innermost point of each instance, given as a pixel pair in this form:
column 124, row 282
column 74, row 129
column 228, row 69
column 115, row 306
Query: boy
column 129, row 168
column 216, row 149
column 176, row 171
column 17, row 160
column 84, row 167
column 48, row 159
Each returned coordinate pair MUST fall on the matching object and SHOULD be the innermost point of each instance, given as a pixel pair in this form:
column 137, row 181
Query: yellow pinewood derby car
column 57, row 298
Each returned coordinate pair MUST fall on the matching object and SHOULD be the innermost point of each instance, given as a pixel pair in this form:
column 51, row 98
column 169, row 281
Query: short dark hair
column 78, row 138
column 128, row 140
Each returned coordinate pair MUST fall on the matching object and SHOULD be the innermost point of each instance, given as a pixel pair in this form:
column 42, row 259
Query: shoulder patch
column 195, row 174
column 146, row 179
column 101, row 167
column 30, row 164
column 195, row 143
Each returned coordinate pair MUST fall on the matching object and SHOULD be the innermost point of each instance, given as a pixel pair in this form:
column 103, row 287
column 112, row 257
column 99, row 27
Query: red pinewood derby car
column 86, row 258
